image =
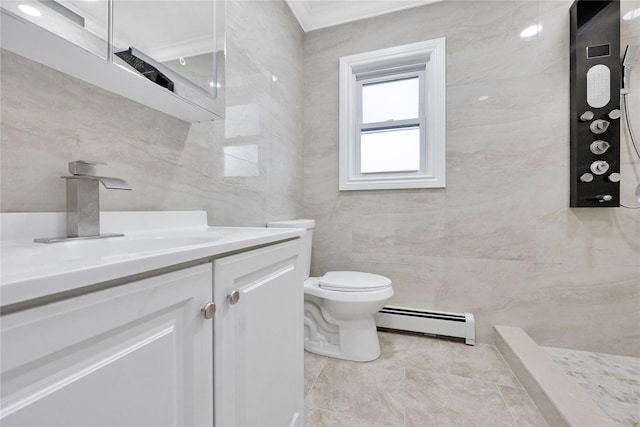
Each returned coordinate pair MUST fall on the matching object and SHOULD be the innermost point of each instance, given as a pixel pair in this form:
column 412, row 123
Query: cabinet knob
column 208, row 310
column 234, row 296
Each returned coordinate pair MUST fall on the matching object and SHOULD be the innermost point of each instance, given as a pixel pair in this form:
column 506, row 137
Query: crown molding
column 317, row 14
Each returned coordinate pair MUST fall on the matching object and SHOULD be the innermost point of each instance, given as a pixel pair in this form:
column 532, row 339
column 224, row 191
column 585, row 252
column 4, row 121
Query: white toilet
column 339, row 306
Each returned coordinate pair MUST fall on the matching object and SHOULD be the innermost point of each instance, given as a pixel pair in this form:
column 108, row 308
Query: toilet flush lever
column 234, row 296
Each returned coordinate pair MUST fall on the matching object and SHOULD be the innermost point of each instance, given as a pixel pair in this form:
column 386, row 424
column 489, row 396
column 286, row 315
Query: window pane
column 392, row 100
column 396, row 150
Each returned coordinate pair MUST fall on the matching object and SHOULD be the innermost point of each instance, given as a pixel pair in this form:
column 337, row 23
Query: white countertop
column 153, row 240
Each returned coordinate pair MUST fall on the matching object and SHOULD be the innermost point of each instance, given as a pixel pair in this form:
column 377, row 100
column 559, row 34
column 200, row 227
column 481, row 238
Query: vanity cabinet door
column 135, row 354
column 258, row 338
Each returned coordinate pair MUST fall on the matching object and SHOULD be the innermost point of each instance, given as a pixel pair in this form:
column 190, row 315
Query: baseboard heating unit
column 459, row 325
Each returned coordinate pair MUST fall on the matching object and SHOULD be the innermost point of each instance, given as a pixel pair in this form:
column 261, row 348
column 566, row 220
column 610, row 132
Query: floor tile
column 450, row 400
column 481, row 362
column 313, row 365
column 418, row 381
column 411, row 351
column 360, row 390
column 314, row 417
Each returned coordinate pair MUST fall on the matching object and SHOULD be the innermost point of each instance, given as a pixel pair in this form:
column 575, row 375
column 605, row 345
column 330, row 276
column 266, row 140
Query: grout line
column 317, row 376
column 513, row 418
column 405, row 397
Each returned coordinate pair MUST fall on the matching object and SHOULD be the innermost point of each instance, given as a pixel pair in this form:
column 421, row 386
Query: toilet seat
column 353, row 281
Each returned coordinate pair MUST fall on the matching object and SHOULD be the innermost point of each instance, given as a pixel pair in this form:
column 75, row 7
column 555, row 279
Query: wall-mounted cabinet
column 164, row 54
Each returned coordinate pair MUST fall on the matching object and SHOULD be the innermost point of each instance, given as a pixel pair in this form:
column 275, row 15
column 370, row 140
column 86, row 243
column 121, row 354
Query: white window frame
column 427, row 60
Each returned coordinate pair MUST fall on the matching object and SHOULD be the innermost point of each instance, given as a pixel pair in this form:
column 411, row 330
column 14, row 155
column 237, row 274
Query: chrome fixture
column 599, row 146
column 630, row 54
column 234, row 297
column 599, row 126
column 586, row 177
column 209, row 310
column 83, row 202
column 586, row 116
column 599, row 167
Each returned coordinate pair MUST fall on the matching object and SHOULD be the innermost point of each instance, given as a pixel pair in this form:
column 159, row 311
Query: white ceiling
column 315, row 14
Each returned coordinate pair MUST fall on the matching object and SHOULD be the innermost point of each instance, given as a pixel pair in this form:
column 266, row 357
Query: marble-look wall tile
column 499, row 240
column 49, row 119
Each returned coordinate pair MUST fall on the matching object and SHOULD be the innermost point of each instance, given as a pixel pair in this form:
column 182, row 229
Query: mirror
column 83, row 23
column 165, row 54
column 151, row 37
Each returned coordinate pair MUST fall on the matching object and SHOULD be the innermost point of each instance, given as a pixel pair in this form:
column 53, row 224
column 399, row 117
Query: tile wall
column 242, row 171
column 500, row 240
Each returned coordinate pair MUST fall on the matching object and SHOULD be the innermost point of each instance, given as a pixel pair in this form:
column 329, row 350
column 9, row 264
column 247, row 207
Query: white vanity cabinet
column 126, row 343
column 258, row 333
column 134, row 354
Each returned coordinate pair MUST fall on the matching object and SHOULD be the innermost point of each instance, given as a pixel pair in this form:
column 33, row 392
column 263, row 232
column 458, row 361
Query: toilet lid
column 353, row 281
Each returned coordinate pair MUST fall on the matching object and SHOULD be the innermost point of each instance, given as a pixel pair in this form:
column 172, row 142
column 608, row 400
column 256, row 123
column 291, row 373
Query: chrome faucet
column 83, row 201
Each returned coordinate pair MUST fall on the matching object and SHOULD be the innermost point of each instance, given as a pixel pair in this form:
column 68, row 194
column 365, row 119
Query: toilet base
column 356, row 341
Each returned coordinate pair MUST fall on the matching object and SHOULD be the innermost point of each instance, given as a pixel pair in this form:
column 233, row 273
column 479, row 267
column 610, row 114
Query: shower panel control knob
column 614, row 177
column 599, row 146
column 586, row 116
column 599, row 126
column 586, row 177
column 599, row 167
column 604, row 198
column 614, row 114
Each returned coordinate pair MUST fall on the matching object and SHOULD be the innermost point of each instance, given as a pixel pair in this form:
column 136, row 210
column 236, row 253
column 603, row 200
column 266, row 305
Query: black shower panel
column 595, row 103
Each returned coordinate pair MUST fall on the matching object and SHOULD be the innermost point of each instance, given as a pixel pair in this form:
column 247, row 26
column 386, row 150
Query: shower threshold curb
column 561, row 400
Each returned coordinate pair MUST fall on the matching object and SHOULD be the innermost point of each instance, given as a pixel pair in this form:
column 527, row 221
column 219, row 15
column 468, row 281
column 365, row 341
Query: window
column 392, row 118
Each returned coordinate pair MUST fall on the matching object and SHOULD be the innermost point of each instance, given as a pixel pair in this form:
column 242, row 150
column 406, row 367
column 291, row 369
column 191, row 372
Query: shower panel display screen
column 598, row 51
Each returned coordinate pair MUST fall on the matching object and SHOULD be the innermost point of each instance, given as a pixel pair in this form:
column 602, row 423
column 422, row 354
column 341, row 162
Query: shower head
column 630, row 54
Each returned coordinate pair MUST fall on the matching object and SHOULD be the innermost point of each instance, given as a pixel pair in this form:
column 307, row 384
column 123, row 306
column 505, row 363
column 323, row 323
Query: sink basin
column 39, row 253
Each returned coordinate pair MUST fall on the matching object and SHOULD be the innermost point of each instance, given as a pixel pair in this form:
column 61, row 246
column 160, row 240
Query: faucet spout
column 108, row 182
column 114, row 183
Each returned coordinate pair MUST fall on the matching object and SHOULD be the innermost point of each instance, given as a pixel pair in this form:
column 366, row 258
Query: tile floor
column 613, row 382
column 417, row 381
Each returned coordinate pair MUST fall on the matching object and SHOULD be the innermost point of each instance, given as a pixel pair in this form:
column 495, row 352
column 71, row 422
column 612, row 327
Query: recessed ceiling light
column 632, row 14
column 29, row 10
column 483, row 98
column 531, row 31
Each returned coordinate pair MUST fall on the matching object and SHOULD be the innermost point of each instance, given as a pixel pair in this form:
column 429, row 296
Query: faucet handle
column 83, row 167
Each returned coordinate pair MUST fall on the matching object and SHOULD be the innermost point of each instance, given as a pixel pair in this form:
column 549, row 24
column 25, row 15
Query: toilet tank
column 307, row 224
